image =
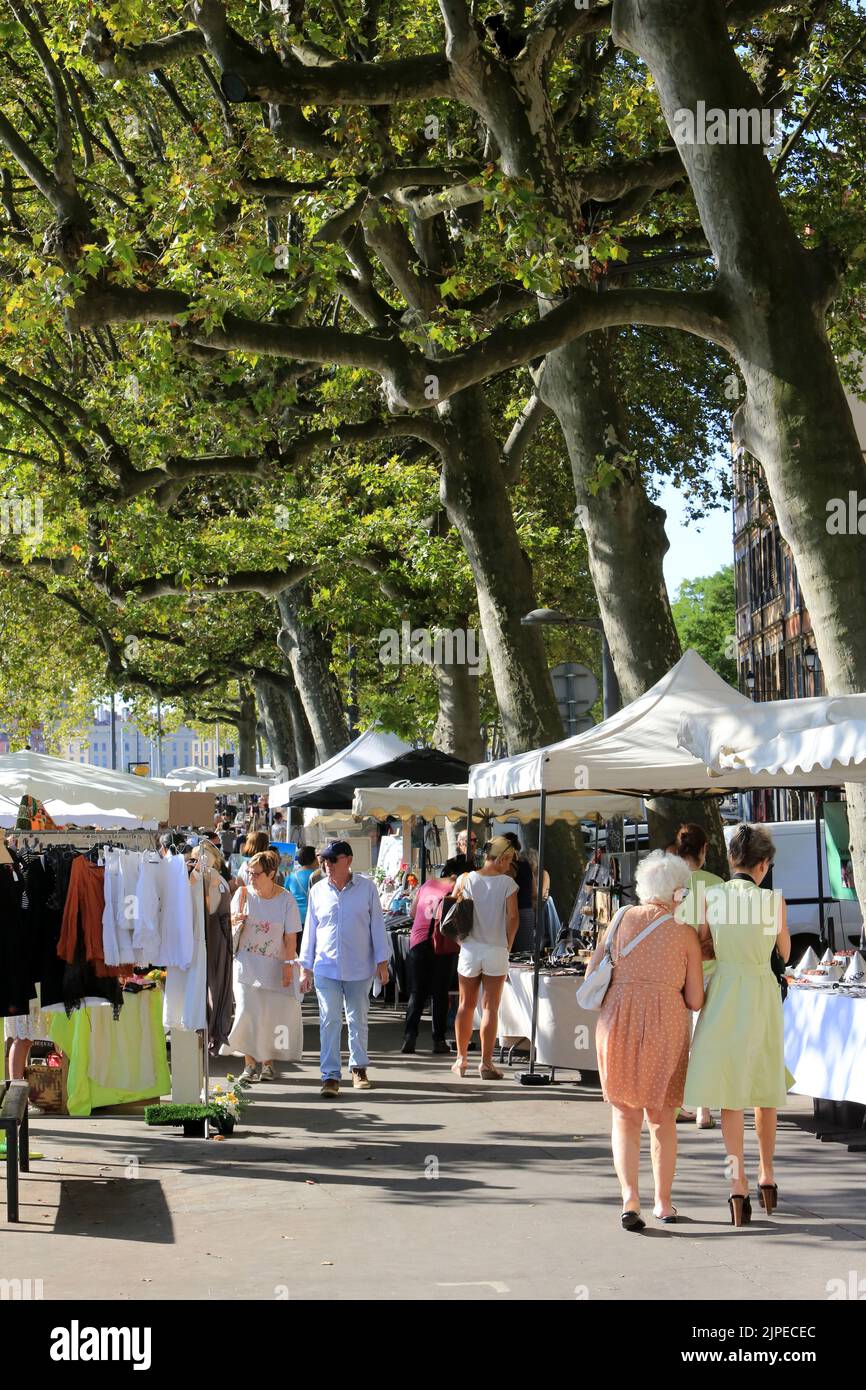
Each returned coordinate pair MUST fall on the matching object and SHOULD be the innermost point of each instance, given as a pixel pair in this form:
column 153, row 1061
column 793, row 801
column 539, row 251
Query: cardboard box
column 191, row 808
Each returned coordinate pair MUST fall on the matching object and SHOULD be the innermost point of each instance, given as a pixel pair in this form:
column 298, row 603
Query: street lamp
column 810, row 658
column 552, row 617
column 749, row 677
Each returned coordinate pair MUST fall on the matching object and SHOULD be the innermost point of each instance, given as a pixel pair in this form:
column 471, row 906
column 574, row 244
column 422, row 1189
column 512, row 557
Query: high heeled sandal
column 768, row 1196
column 488, row 1073
column 459, row 1068
column 740, row 1207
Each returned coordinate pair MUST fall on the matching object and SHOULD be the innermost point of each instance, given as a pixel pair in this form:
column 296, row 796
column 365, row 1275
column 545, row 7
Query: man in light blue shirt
column 344, row 946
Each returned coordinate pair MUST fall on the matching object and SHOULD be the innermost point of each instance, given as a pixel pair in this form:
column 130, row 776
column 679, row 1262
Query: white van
column 795, row 872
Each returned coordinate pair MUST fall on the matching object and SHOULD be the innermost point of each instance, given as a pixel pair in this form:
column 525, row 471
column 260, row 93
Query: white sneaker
column 250, row 1075
column 268, row 1073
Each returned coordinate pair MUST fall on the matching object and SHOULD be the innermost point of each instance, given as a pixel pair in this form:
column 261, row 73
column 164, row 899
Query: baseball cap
column 335, row 849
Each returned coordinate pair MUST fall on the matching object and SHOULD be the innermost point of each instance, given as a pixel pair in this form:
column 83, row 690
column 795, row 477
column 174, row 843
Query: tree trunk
column 626, row 546
column 458, row 727
column 277, row 719
column 795, row 419
column 474, row 494
column 246, row 727
column 309, row 654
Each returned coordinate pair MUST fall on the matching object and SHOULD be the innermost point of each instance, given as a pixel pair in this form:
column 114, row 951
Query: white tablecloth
column 825, row 1045
column 566, row 1033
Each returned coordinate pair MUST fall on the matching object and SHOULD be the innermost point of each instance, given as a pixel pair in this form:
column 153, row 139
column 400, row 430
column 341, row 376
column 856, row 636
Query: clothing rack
column 83, row 839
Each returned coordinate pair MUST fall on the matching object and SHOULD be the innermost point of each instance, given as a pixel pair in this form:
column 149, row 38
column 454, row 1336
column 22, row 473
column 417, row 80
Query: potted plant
column 227, row 1102
column 191, row 1117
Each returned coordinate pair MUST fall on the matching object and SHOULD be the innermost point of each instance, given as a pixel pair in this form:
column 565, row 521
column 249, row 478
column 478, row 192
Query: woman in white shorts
column 484, row 955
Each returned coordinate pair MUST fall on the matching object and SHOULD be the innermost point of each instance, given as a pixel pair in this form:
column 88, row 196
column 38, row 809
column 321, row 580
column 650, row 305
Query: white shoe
column 268, row 1073
column 250, row 1075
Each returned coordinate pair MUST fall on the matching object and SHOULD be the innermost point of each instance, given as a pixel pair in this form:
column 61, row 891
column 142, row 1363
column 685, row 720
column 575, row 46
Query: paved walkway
column 425, row 1187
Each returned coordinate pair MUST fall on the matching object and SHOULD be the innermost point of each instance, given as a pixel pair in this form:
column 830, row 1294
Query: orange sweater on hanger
column 81, row 931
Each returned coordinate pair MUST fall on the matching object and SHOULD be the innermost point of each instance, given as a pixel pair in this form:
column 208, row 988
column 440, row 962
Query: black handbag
column 457, row 916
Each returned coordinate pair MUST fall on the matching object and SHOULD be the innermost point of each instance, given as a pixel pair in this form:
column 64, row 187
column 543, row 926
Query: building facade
column 777, row 655
column 134, row 750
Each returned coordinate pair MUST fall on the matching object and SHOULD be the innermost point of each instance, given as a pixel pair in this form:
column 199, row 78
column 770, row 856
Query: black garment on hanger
column 17, row 981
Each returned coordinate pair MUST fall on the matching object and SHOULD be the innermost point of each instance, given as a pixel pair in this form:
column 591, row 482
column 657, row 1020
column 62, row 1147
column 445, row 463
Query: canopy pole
column 533, row 1077
column 422, row 862
column 819, row 812
column 469, row 856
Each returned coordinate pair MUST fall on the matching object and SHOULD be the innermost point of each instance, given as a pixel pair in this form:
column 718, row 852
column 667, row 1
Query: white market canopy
column 640, row 749
column 368, row 750
column 821, row 740
column 450, row 803
column 78, row 791
column 191, row 775
column 240, row 786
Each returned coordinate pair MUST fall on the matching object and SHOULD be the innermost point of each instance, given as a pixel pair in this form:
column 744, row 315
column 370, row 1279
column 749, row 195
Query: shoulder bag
column 239, row 919
column 442, row 945
column 591, row 991
column 456, row 914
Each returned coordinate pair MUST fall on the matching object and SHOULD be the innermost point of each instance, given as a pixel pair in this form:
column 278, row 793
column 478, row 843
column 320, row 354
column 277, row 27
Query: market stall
column 678, row 738
column 370, row 749
column 113, row 1061
column 825, row 1043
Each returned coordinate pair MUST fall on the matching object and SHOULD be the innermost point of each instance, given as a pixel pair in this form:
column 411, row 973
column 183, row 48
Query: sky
column 697, row 548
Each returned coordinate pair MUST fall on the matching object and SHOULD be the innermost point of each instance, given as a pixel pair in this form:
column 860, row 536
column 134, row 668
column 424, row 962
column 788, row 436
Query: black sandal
column 632, row 1221
column 740, row 1208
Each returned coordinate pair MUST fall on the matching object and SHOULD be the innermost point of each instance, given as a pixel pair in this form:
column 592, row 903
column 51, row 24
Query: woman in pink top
column 644, row 1029
column 429, row 974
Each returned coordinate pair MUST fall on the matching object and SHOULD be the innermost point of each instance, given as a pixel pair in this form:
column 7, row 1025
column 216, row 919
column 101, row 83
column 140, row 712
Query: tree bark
column 626, row 546
column 246, row 727
column 474, row 495
column 458, row 727
column 795, row 418
column 308, row 651
column 476, row 499
column 277, row 719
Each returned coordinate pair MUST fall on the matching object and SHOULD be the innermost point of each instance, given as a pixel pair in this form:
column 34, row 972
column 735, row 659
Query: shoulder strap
column 458, row 889
column 641, row 936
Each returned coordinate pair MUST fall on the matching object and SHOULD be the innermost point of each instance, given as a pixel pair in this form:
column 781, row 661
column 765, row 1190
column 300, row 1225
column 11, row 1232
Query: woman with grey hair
column 643, row 1031
column 738, row 1055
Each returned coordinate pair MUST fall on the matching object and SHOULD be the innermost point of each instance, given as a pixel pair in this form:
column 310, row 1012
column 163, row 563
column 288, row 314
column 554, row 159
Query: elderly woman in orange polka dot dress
column 644, row 1031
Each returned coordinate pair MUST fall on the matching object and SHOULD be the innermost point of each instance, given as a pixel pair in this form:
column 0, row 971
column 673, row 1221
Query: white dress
column 185, row 1002
column 268, row 1023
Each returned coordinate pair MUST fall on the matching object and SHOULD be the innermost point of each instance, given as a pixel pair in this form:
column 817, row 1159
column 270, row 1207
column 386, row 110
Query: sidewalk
column 425, row 1187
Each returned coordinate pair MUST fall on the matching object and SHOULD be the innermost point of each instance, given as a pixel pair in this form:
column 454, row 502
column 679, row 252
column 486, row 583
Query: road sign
column 576, row 690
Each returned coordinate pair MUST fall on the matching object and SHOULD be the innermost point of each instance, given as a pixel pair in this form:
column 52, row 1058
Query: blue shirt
column 298, row 884
column 344, row 934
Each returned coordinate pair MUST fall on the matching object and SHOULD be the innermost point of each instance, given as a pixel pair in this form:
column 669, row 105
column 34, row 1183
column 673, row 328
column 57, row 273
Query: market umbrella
column 412, row 769
column 369, row 749
column 81, row 785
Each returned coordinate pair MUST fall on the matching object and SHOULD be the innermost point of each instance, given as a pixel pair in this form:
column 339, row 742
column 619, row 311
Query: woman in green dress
column 691, row 844
column 737, row 1061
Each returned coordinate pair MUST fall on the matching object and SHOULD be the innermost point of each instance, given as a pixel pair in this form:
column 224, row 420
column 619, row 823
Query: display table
column 825, row 1044
column 565, row 1034
column 113, row 1062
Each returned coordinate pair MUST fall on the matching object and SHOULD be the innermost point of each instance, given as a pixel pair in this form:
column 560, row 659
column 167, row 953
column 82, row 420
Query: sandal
column 490, row 1073
column 459, row 1068
column 632, row 1221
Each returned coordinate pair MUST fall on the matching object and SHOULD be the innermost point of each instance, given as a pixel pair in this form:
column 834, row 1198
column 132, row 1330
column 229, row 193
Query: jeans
column 333, row 996
column 428, row 974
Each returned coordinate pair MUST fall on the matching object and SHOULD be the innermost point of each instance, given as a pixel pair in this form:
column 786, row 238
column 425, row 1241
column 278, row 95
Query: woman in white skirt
column 267, row 1022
